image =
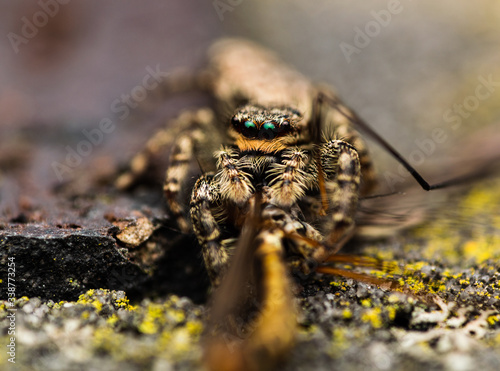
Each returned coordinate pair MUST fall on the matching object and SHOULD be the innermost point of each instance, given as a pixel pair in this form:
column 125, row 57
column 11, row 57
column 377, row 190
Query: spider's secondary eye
column 235, row 121
column 250, row 125
column 269, row 126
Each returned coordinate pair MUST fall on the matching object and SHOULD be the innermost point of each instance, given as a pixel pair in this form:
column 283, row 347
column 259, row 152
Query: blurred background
column 407, row 67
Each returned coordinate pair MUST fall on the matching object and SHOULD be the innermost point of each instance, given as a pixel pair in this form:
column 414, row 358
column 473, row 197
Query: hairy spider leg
column 340, row 163
column 206, row 228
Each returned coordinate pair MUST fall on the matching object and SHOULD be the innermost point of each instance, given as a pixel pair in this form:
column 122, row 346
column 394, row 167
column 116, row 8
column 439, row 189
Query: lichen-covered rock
column 102, row 330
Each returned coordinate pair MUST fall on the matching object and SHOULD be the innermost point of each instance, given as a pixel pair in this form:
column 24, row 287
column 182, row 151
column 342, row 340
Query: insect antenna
column 357, row 121
column 200, row 166
column 381, row 195
column 315, row 130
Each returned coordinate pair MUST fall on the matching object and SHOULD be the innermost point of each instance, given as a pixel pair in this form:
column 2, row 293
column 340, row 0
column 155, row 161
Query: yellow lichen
column 346, row 313
column 123, row 303
column 177, row 342
column 107, row 339
column 152, row 319
column 482, row 248
column 373, row 316
column 112, row 320
column 340, row 341
column 391, row 313
column 484, row 199
column 394, row 299
column 380, row 254
column 366, row 303
column 414, row 284
column 157, row 315
column 176, row 315
column 194, row 328
column 466, row 236
column 494, row 319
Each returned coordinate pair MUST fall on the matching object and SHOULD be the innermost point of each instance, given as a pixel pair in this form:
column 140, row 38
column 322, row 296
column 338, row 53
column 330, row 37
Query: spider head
column 266, row 129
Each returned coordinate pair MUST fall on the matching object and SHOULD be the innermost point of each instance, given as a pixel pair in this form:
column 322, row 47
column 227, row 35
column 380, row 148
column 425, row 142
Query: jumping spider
column 270, row 147
column 291, row 170
column 270, row 151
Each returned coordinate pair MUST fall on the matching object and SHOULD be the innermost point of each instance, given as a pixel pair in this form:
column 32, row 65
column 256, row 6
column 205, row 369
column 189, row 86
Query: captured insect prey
column 273, row 180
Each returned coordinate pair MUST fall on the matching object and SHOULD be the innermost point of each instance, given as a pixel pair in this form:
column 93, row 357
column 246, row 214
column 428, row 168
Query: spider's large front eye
column 269, row 126
column 247, row 128
column 268, row 130
column 250, row 125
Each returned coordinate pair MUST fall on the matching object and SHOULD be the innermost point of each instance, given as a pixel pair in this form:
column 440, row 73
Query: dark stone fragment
column 61, row 264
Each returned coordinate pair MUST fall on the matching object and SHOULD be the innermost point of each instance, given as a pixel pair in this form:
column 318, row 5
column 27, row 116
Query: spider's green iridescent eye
column 269, row 126
column 250, row 125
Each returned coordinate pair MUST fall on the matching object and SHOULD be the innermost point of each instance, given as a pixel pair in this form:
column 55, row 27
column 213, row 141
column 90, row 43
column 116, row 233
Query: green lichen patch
column 468, row 235
column 103, row 328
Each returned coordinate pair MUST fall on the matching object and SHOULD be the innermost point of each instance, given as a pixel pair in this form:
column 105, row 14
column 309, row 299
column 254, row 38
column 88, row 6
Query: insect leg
column 206, row 227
